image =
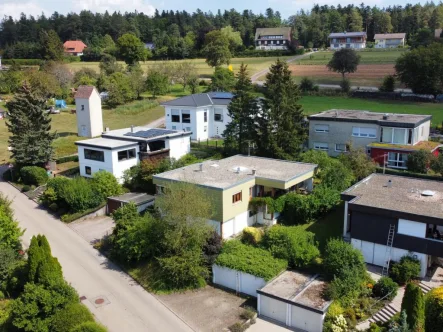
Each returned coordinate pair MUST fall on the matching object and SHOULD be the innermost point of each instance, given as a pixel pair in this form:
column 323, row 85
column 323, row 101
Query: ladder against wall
column 390, row 242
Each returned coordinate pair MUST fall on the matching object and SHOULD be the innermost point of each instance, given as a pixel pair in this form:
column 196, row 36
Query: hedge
column 66, row 159
column 256, row 261
column 67, row 218
column 33, row 175
column 263, row 53
column 22, row 62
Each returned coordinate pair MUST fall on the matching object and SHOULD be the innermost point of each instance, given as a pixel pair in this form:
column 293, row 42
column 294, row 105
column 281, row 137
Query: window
column 321, row 146
column 175, row 116
column 126, row 154
column 205, row 129
column 94, row 155
column 341, row 147
column 319, row 128
column 88, row 170
column 395, row 135
column 396, row 159
column 205, row 116
column 186, row 117
column 236, row 198
column 364, row 132
column 83, row 107
column 218, row 115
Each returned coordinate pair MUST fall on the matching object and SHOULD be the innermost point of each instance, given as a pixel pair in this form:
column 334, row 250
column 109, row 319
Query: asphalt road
column 127, row 306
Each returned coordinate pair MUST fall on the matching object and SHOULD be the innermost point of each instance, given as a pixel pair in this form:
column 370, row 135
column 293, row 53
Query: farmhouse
column 203, row 114
column 387, row 217
column 273, row 38
column 389, row 40
column 74, row 47
column 232, row 182
column 118, row 150
column 387, row 138
column 355, row 40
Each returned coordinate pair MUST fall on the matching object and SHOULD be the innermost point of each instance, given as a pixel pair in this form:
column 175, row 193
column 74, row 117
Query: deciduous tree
column 131, row 49
column 344, row 61
column 216, row 49
column 157, row 83
column 222, row 80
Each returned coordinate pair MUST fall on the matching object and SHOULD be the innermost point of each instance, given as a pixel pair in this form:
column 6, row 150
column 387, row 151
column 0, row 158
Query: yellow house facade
column 233, row 181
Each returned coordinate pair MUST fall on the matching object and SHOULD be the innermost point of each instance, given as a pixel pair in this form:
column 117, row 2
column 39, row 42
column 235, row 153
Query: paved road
column 130, row 307
column 256, row 76
column 156, row 123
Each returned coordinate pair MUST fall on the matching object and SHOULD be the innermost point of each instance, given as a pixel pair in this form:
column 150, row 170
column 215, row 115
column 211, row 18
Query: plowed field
column 369, row 72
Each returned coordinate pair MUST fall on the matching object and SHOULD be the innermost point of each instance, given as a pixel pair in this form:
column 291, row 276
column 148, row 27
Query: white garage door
column 273, row 309
column 379, row 254
column 228, row 229
column 367, row 250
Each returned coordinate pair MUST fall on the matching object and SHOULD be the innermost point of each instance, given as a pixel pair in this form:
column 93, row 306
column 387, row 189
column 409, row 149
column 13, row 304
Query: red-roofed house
column 74, row 47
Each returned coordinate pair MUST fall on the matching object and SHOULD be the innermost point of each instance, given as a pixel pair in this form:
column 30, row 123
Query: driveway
column 93, row 229
column 126, row 306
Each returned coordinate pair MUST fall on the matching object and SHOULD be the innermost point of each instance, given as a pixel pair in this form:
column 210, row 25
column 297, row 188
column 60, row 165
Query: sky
column 286, row 7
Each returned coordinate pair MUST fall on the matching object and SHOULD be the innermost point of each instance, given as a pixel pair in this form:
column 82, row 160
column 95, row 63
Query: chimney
column 385, row 116
column 254, row 172
column 238, row 170
column 201, row 167
column 389, row 185
column 132, row 128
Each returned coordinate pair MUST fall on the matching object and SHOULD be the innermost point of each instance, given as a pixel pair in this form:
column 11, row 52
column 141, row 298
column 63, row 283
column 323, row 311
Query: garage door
column 273, row 309
column 228, row 228
column 379, row 254
column 367, row 249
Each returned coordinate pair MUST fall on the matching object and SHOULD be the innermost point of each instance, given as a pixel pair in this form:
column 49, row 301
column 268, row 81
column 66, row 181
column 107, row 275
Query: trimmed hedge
column 22, row 62
column 34, row 175
column 70, row 316
column 66, row 159
column 434, row 310
column 67, row 218
column 258, row 262
column 404, row 271
column 262, row 53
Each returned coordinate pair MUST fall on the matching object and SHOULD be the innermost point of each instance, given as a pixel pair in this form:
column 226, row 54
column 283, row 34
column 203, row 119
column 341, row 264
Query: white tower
column 88, row 107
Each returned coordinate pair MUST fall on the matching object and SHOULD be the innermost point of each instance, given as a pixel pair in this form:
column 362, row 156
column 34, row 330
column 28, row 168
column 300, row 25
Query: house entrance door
column 83, row 131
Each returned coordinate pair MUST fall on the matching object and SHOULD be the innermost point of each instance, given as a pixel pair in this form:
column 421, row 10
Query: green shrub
column 293, row 244
column 407, row 269
column 34, row 175
column 252, row 235
column 414, row 306
column 67, row 218
column 388, row 84
column 256, row 261
column 10, row 232
column 385, row 286
column 248, row 313
column 5, row 315
column 341, row 256
column 418, row 161
column 8, row 260
column 237, row 327
column 307, row 84
column 349, row 315
column 434, row 310
column 53, row 207
column 70, row 316
column 66, row 159
column 106, row 184
column 89, row 327
column 345, row 85
column 26, row 188
column 80, row 195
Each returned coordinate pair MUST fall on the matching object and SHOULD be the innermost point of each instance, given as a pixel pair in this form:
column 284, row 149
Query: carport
column 141, row 200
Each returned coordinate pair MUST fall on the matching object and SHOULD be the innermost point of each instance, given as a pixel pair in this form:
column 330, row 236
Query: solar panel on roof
column 222, row 95
column 151, row 133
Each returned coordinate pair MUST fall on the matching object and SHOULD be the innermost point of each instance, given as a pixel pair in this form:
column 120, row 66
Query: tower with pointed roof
column 88, row 107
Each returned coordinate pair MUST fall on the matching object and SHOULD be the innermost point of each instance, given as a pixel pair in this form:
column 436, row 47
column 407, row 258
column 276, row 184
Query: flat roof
column 105, row 143
column 398, row 193
column 297, row 288
column 144, row 134
column 230, row 171
column 201, row 99
column 383, row 119
column 136, row 198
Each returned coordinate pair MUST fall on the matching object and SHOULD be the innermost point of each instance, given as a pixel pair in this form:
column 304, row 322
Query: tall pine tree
column 281, row 126
column 243, row 109
column 29, row 125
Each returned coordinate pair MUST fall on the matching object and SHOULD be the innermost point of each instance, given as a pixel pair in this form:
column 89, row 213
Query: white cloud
column 101, row 6
column 15, row 8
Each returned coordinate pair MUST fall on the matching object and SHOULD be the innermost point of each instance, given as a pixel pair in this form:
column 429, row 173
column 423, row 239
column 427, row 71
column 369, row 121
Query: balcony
column 429, row 246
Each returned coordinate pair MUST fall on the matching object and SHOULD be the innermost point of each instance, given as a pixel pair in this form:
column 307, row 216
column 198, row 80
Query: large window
column 218, row 114
column 94, row 155
column 396, row 159
column 341, row 147
column 186, row 117
column 236, row 197
column 321, row 128
column 126, row 154
column 321, row 146
column 364, row 132
column 175, row 115
column 88, row 170
column 205, row 116
column 396, row 135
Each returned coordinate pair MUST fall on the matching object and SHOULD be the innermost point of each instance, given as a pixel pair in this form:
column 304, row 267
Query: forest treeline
column 181, row 34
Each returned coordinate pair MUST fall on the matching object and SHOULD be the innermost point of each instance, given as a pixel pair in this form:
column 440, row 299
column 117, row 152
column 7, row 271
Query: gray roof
column 105, row 143
column 143, row 134
column 136, row 198
column 347, row 34
column 224, row 173
column 201, row 99
column 299, row 289
column 390, row 36
column 282, row 31
column 404, row 194
column 383, row 119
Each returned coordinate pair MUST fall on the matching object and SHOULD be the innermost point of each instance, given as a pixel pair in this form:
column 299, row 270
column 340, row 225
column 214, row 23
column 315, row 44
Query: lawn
column 315, row 104
column 367, row 57
column 203, row 70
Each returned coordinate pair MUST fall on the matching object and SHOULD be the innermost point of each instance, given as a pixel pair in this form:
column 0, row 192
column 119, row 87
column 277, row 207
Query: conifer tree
column 29, row 125
column 42, row 267
column 414, row 306
column 243, row 110
column 281, row 126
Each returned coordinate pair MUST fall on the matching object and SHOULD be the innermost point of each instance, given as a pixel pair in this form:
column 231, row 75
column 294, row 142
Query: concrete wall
column 178, row 146
column 340, row 133
column 89, row 116
column 236, row 280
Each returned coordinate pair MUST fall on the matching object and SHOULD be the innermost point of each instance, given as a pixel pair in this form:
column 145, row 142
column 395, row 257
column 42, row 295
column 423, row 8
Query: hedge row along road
column 130, row 307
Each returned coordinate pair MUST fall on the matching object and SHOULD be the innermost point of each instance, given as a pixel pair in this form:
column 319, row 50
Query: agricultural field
column 203, row 70
column 367, row 57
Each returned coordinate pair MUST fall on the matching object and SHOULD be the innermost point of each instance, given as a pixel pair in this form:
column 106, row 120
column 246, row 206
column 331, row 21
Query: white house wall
column 120, row 166
column 94, row 164
column 90, row 119
column 237, row 224
column 179, row 146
